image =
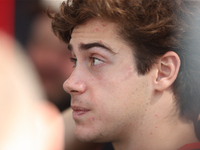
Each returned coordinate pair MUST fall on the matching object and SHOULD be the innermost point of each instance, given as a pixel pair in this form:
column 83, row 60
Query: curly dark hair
column 152, row 28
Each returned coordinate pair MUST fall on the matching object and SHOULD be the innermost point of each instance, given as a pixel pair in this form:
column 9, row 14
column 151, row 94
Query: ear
column 167, row 70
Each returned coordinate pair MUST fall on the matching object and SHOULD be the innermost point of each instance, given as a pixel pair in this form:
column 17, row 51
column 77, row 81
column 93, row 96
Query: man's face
column 109, row 98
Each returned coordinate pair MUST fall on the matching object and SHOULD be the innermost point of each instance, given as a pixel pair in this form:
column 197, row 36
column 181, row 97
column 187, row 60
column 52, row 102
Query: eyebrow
column 91, row 45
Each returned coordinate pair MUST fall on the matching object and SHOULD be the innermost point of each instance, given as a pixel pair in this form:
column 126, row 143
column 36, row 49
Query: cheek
column 123, row 92
column 111, row 95
column 113, row 87
column 114, row 81
column 127, row 74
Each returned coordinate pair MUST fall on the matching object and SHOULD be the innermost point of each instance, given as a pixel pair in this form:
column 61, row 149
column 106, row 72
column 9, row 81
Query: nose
column 74, row 84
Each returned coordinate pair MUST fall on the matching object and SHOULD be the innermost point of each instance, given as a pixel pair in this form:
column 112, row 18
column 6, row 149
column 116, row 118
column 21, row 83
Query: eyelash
column 94, row 58
column 74, row 60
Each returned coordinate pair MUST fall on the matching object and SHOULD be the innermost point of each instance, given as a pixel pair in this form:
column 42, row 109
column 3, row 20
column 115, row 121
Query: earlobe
column 167, row 70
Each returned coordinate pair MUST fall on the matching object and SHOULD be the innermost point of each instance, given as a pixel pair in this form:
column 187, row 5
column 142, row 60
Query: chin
column 89, row 136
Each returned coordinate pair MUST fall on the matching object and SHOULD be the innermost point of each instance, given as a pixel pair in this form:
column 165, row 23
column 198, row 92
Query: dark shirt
column 108, row 146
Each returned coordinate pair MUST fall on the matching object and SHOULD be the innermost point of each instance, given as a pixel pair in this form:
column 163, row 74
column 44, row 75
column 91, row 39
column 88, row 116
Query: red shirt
column 192, row 146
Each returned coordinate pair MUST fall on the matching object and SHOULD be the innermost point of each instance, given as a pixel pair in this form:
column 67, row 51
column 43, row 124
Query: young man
column 136, row 77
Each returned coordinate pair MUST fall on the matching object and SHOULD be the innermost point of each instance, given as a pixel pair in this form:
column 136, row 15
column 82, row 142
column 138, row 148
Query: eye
column 74, row 60
column 96, row 61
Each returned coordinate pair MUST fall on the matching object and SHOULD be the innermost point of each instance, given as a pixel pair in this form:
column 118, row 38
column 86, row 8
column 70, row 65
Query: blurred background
column 27, row 22
column 33, row 66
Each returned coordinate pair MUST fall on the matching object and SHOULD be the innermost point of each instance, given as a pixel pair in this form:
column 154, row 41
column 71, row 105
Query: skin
column 111, row 102
column 71, row 142
column 93, row 81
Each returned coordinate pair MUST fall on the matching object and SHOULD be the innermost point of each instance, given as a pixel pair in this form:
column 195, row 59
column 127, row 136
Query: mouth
column 78, row 111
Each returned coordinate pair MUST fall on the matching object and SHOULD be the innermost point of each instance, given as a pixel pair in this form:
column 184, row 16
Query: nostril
column 73, row 91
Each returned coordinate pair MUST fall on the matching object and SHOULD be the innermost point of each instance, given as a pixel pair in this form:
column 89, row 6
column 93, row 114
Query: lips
column 78, row 111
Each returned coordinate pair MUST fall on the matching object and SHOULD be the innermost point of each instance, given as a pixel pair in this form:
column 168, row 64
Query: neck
column 159, row 129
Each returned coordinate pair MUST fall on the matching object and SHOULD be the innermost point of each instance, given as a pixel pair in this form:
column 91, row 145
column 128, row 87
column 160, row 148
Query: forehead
column 95, row 30
column 95, row 26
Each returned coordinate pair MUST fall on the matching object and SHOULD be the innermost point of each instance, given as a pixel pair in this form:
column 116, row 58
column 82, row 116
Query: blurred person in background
column 51, row 59
column 27, row 120
column 49, row 56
